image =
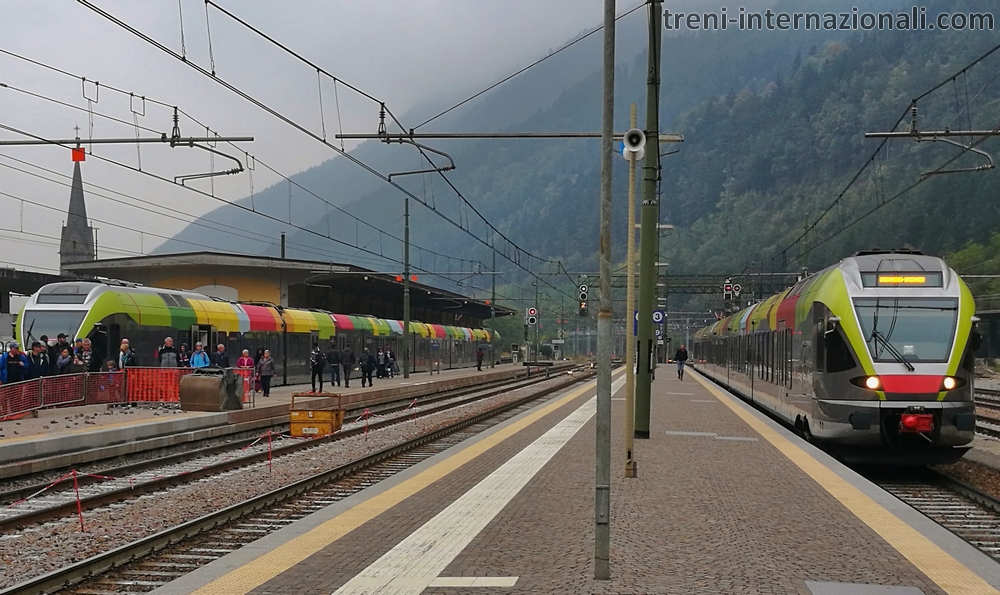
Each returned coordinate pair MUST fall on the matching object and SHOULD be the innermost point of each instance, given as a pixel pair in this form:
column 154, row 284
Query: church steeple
column 77, row 243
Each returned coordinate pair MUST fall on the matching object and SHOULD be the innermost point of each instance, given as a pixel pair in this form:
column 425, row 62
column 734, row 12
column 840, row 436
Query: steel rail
column 161, row 483
column 90, row 567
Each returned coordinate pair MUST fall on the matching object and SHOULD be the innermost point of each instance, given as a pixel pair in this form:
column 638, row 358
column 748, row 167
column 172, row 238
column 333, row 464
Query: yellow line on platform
column 951, row 575
column 282, row 558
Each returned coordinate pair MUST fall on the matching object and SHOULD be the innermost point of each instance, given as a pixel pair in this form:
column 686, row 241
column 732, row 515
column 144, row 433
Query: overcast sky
column 405, row 52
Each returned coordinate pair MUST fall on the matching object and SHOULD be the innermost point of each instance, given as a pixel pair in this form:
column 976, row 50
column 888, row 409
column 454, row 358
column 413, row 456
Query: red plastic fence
column 247, row 376
column 154, row 385
column 68, row 389
column 19, row 398
column 134, row 385
column 105, row 388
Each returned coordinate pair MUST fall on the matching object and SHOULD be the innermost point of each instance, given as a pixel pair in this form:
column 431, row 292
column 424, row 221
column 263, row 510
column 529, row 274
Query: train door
column 204, row 334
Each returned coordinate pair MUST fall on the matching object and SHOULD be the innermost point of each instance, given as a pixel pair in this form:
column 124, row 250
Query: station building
column 292, row 283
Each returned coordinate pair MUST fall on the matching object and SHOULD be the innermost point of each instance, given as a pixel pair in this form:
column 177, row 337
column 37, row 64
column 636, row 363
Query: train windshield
column 918, row 329
column 50, row 323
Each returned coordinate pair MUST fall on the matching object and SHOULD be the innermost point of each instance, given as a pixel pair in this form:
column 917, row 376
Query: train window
column 819, row 346
column 168, row 299
column 838, row 354
column 60, row 298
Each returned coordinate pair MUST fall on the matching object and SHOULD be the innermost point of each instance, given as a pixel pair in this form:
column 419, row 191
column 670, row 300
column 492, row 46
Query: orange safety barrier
column 105, row 388
column 19, row 398
column 66, row 389
column 247, row 375
column 154, row 385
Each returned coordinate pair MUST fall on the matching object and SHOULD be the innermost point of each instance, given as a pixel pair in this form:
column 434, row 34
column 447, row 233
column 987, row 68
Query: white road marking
column 682, row 394
column 415, row 563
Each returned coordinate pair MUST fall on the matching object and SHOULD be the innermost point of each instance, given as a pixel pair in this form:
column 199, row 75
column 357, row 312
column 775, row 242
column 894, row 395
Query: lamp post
column 406, row 287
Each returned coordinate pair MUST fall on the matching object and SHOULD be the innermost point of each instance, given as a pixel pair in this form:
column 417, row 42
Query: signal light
column 584, row 293
column 399, row 278
column 583, row 308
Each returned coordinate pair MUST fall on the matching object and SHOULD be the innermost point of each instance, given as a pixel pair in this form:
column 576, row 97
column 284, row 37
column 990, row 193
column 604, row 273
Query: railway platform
column 726, row 501
column 74, row 435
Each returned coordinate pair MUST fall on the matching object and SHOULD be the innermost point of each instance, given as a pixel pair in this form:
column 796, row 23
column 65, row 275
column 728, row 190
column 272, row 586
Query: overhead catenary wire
column 899, row 194
column 526, row 68
column 243, row 207
column 950, row 79
column 319, row 69
column 251, row 159
column 518, row 251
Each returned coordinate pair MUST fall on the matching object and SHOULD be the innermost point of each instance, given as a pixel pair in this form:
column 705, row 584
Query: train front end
column 910, row 325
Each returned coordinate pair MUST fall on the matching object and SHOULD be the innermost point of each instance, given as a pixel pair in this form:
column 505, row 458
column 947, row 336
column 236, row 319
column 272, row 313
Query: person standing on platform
column 89, row 357
column 14, row 365
column 333, row 358
column 245, row 360
column 367, row 363
column 126, row 357
column 220, row 359
column 380, row 362
column 347, row 363
column 183, row 356
column 681, row 357
column 39, row 360
column 55, row 352
column 200, row 359
column 265, row 370
column 390, row 358
column 64, row 361
column 479, row 359
column 167, row 355
column 317, row 362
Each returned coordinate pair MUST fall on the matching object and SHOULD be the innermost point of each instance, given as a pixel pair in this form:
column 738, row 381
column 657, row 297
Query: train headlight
column 951, row 383
column 873, row 382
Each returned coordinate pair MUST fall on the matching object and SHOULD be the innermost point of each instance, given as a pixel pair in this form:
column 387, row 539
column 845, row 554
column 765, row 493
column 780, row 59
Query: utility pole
column 602, row 488
column 537, row 320
column 630, row 468
column 649, row 232
column 493, row 314
column 406, row 287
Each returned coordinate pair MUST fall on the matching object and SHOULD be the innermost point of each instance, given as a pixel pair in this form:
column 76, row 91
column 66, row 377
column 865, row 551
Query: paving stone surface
column 707, row 514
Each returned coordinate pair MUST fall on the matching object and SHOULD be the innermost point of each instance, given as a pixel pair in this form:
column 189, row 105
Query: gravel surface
column 99, row 467
column 53, row 545
column 51, row 422
column 981, row 477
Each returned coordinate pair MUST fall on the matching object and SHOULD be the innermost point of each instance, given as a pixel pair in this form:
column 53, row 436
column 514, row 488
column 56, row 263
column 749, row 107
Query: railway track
column 965, row 511
column 132, row 481
column 16, row 487
column 150, row 562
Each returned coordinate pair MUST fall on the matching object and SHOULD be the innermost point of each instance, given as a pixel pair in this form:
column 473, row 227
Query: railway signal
column 531, row 316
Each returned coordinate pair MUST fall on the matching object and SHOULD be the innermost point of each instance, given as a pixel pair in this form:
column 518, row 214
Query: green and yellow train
column 107, row 313
column 873, row 358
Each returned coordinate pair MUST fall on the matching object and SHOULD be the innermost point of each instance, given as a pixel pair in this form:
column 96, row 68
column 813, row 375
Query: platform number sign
column 531, row 316
column 584, row 296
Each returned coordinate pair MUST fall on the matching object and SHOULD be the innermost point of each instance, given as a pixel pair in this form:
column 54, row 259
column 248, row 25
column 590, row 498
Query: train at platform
column 107, row 312
column 872, row 358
